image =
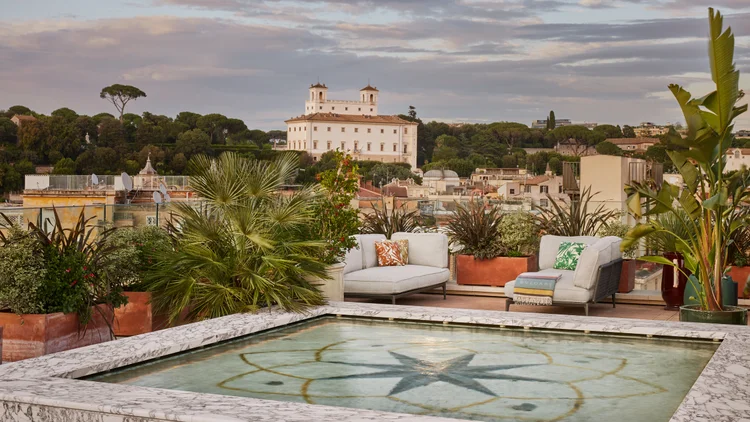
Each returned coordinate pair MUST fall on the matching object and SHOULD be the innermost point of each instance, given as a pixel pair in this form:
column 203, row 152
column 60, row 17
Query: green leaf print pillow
column 568, row 255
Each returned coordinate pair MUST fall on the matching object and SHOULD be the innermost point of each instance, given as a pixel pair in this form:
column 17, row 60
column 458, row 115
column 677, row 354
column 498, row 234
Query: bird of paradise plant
column 710, row 199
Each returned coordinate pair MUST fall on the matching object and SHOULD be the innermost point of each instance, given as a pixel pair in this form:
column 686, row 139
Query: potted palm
column 492, row 249
column 710, row 197
column 336, row 222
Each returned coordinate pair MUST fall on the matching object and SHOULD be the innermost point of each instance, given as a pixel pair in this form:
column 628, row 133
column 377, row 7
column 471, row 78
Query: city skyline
column 463, row 61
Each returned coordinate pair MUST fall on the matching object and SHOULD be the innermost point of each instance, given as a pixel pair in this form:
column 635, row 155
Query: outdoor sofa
column 596, row 276
column 427, row 267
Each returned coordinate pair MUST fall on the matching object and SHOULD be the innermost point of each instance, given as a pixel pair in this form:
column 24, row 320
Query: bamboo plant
column 710, row 198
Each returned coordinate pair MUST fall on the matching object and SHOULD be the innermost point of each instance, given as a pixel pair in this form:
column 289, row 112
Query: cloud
column 478, row 60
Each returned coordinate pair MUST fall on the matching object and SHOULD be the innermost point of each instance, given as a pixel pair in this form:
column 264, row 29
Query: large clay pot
column 733, row 315
column 32, row 335
column 492, row 272
column 627, row 276
column 741, row 275
column 673, row 282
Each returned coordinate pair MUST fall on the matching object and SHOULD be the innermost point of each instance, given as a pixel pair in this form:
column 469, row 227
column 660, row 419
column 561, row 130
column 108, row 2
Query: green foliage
column 8, row 131
column 249, row 247
column 22, row 273
column 609, row 131
column 551, row 123
column 474, row 229
column 577, row 219
column 193, row 142
column 65, row 113
column 712, row 200
column 519, row 234
column 579, row 138
column 384, row 173
column 628, row 132
column 608, row 148
column 133, row 252
column 64, row 166
column 336, row 221
column 387, row 221
column 121, row 95
column 617, row 228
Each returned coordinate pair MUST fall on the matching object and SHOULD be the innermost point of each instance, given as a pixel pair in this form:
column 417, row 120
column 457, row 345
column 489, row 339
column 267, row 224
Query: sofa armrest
column 608, row 279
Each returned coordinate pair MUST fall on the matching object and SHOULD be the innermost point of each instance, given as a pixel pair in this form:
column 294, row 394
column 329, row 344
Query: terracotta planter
column 627, row 277
column 492, row 272
column 32, row 335
column 137, row 317
column 740, row 275
column 333, row 286
column 1, row 344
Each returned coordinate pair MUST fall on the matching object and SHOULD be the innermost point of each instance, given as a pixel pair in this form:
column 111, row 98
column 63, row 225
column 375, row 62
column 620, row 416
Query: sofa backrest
column 428, row 249
column 550, row 244
column 594, row 256
column 353, row 257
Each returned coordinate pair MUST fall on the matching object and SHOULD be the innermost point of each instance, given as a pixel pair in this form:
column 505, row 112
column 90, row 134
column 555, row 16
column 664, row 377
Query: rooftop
column 353, row 118
column 440, row 174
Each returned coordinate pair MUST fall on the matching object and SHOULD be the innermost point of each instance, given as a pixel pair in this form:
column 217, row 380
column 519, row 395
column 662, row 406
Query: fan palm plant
column 710, row 198
column 247, row 248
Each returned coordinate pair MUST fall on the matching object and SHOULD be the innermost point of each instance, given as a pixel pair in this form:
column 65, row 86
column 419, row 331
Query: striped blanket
column 535, row 288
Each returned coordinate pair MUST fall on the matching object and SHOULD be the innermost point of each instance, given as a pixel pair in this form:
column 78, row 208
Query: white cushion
column 549, row 246
column 430, row 249
column 615, row 250
column 393, row 280
column 369, row 255
column 353, row 258
column 591, row 259
column 565, row 290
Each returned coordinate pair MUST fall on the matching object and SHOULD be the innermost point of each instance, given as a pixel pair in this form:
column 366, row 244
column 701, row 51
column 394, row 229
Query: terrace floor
column 649, row 312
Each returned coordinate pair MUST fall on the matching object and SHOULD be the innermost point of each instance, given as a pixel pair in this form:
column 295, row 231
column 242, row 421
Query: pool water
column 478, row 373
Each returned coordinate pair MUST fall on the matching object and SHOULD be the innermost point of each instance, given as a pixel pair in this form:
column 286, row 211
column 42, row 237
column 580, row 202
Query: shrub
column 519, row 234
column 579, row 219
column 619, row 229
column 474, row 230
column 132, row 252
column 22, row 273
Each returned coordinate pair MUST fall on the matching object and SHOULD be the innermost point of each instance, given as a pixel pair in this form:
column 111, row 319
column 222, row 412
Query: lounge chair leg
column 507, row 304
column 393, row 300
column 586, row 308
column 613, row 300
column 445, row 288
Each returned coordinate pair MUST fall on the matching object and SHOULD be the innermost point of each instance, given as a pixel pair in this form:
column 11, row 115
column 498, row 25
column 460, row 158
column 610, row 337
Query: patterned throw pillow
column 403, row 247
column 389, row 254
column 568, row 254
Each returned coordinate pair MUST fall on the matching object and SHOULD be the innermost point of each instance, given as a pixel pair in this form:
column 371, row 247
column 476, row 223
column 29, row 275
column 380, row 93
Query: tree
column 578, row 138
column 31, row 135
column 555, row 164
column 608, row 148
column 101, row 116
column 19, row 109
column 64, row 166
column 157, row 155
column 551, row 123
column 384, row 173
column 412, row 112
column 65, row 113
column 61, row 135
column 121, row 95
column 215, row 126
column 189, row 119
column 193, row 142
column 609, row 131
column 8, row 131
column 111, row 134
column 179, row 162
column 628, row 132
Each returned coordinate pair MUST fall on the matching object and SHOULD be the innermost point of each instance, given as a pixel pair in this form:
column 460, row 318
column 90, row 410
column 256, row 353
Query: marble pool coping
column 47, row 387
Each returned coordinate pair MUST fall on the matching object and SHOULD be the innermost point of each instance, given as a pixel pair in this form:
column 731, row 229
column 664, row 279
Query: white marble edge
column 721, row 393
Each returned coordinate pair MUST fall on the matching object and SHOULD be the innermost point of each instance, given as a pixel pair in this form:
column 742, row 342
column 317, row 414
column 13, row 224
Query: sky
column 605, row 61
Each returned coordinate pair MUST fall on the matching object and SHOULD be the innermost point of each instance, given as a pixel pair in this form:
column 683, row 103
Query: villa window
column 356, row 130
column 370, row 109
column 394, row 131
column 527, row 189
column 343, row 146
column 356, row 145
column 559, row 189
column 343, row 129
column 543, row 189
column 329, row 128
column 369, row 130
column 346, row 108
column 737, row 155
column 382, row 130
column 333, row 108
column 359, row 109
column 394, row 147
column 404, row 148
column 321, row 107
column 512, row 191
column 305, row 129
column 406, row 131
column 315, row 144
column 315, row 128
column 369, row 147
column 305, row 145
column 382, row 147
column 544, row 203
column 328, row 145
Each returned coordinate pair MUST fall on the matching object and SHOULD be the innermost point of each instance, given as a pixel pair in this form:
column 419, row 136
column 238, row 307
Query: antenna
column 157, row 197
column 94, row 179
column 127, row 182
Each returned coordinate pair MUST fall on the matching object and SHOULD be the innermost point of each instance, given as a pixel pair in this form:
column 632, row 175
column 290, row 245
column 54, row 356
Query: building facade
column 542, row 124
column 354, row 127
column 634, row 144
column 647, row 129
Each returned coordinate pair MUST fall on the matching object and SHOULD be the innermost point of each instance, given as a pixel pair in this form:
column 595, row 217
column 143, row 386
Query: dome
column 441, row 174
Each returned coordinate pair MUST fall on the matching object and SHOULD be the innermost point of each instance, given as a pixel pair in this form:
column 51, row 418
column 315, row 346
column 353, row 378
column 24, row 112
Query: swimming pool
column 478, row 373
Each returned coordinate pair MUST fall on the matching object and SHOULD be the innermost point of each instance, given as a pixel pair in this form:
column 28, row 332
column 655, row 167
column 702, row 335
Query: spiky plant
column 710, row 198
column 246, row 249
column 475, row 230
column 581, row 218
column 388, row 221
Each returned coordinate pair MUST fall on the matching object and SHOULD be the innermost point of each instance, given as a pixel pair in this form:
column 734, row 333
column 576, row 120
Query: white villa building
column 353, row 127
